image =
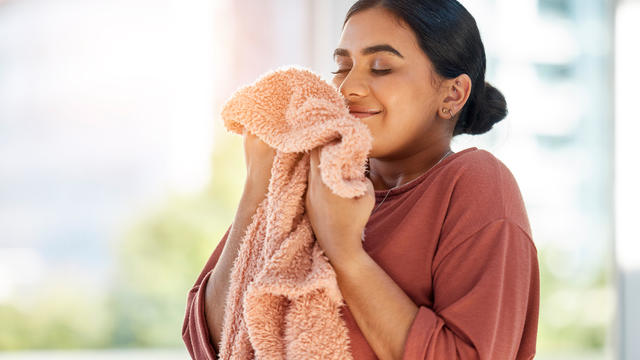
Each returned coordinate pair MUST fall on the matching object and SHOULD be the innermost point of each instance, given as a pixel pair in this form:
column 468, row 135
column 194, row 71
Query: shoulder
column 483, row 190
column 479, row 165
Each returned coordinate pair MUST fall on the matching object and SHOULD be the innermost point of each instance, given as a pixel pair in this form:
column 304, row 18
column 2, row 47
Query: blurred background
column 117, row 178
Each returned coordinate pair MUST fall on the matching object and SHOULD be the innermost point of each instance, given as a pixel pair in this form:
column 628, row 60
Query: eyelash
column 377, row 72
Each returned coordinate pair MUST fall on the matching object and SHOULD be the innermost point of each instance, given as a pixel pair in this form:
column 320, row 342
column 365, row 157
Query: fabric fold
column 284, row 301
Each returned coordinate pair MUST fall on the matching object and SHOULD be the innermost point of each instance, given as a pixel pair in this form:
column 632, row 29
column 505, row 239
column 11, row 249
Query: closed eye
column 375, row 71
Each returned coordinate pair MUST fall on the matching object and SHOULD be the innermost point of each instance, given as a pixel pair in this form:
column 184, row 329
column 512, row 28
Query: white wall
column 627, row 176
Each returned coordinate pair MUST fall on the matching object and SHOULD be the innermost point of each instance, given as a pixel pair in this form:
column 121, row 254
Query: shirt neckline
column 411, row 184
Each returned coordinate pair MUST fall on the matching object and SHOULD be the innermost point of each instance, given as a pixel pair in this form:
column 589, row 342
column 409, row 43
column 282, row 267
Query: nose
column 353, row 86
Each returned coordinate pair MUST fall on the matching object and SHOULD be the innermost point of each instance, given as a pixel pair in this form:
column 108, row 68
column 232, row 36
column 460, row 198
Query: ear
column 456, row 93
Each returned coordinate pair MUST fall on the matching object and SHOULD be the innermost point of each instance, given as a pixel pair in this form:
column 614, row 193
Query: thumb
column 370, row 192
column 370, row 187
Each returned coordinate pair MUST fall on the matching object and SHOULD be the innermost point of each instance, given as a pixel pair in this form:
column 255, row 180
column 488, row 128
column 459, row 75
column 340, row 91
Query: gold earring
column 450, row 114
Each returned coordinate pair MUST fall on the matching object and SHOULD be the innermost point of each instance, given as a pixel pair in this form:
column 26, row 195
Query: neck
column 387, row 174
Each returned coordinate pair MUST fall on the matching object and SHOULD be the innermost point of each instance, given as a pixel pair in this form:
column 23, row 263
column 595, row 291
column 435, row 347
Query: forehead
column 376, row 26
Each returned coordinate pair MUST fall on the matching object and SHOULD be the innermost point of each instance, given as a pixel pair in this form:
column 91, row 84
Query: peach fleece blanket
column 284, row 301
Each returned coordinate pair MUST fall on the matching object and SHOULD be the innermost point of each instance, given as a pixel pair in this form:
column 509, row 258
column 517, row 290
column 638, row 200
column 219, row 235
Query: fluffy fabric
column 284, row 301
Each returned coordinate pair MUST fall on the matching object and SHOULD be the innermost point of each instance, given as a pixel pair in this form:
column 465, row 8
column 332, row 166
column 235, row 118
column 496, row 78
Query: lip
column 361, row 109
column 359, row 114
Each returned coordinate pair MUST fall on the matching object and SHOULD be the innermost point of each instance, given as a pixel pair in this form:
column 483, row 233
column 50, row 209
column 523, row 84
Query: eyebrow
column 370, row 50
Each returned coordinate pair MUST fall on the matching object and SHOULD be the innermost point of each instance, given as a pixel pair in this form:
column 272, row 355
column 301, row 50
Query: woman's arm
column 218, row 284
column 201, row 330
column 486, row 298
column 382, row 310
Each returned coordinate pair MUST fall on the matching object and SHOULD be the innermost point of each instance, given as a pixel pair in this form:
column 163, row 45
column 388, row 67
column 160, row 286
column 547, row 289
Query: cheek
column 407, row 106
column 397, row 94
column 389, row 95
column 398, row 104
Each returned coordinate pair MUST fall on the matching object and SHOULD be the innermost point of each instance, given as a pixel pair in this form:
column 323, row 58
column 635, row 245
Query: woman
column 448, row 268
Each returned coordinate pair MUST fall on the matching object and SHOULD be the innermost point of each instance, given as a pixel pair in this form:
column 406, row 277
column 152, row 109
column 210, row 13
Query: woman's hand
column 259, row 159
column 338, row 223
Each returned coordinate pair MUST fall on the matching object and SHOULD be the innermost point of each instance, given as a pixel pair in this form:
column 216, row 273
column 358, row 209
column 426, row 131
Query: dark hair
column 449, row 36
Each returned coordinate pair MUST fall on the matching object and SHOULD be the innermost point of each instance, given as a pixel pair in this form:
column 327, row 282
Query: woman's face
column 400, row 85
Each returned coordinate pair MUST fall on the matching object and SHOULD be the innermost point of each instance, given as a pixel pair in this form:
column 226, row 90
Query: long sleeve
column 195, row 332
column 486, row 299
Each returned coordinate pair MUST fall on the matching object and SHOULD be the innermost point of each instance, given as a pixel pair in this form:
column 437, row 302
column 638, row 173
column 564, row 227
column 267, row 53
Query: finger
column 311, row 172
column 313, row 161
column 315, row 155
column 370, row 187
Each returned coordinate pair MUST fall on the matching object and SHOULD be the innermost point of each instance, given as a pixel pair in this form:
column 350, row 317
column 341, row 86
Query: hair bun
column 491, row 110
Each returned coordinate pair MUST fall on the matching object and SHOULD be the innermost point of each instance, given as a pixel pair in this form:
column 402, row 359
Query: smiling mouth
column 363, row 114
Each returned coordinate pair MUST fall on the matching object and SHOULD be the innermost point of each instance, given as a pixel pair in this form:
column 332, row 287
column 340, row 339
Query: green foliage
column 576, row 309
column 157, row 264
column 159, row 259
column 56, row 318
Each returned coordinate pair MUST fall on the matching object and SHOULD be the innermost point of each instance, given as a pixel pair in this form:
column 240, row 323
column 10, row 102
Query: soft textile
column 284, row 301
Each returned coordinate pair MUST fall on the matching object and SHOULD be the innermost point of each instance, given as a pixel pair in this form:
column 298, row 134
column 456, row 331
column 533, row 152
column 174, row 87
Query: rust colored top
column 457, row 240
